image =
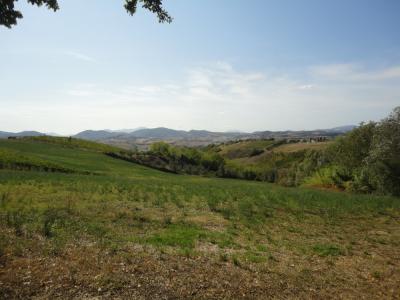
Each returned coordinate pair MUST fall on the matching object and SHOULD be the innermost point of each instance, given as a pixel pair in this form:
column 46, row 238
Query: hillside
column 142, row 138
column 114, row 229
column 259, row 152
column 5, row 134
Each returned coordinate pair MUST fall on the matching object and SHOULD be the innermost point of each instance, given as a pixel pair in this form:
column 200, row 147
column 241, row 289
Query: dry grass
column 367, row 269
column 288, row 148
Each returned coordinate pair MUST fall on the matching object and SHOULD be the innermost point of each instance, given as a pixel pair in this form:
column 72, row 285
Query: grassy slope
column 293, row 147
column 244, row 148
column 240, row 153
column 134, row 225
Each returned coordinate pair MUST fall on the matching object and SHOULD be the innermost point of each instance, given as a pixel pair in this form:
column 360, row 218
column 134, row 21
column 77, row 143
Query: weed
column 254, row 257
column 236, row 261
column 328, row 250
column 377, row 275
column 16, row 220
column 223, row 257
column 51, row 218
column 176, row 235
column 262, row 248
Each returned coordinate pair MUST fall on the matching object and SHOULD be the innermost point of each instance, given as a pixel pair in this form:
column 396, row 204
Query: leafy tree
column 9, row 15
column 383, row 163
column 161, row 148
column 351, row 150
column 368, row 158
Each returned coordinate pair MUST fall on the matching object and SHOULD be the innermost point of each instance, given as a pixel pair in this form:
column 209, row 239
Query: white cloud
column 220, row 97
column 79, row 56
column 306, row 87
column 354, row 72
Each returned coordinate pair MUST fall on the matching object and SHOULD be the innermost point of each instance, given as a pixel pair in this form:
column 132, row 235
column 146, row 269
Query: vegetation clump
column 365, row 160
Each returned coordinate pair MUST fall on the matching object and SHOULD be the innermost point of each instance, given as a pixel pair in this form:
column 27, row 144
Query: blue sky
column 221, row 65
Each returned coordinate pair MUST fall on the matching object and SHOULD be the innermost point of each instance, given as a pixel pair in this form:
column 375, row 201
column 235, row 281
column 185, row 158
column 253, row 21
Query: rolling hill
column 142, row 138
column 110, row 228
column 4, row 134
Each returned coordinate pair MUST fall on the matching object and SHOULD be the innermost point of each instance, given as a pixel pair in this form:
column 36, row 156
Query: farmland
column 111, row 228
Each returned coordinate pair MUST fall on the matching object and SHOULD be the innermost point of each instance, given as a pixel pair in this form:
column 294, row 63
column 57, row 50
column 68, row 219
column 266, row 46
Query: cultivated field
column 75, row 223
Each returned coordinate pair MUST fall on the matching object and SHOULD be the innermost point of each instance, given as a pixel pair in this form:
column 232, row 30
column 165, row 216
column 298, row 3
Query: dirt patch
column 90, row 273
column 212, row 222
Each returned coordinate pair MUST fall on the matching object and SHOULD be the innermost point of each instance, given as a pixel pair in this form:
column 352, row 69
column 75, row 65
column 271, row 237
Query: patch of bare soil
column 87, row 272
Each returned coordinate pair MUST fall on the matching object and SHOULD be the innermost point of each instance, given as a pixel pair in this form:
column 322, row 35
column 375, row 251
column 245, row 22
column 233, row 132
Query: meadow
column 77, row 223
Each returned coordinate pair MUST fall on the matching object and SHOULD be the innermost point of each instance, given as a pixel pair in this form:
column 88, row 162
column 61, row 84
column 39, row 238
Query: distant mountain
column 4, row 134
column 342, row 129
column 145, row 136
column 97, row 135
column 159, row 133
column 299, row 134
column 289, row 134
column 142, row 137
column 126, row 130
column 54, row 134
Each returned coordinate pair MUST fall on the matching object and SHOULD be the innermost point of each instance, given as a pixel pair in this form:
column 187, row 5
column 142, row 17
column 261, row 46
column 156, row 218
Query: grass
column 123, row 213
column 328, row 250
column 246, row 148
column 177, row 236
column 293, row 147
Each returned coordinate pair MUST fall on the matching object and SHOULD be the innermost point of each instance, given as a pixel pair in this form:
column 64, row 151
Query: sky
column 221, row 65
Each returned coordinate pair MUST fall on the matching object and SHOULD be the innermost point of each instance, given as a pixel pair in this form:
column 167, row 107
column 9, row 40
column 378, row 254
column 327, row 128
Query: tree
column 9, row 15
column 351, row 150
column 368, row 157
column 161, row 148
column 383, row 163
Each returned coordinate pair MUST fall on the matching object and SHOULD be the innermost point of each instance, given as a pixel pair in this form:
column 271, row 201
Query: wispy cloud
column 355, row 72
column 306, row 87
column 79, row 56
column 220, row 97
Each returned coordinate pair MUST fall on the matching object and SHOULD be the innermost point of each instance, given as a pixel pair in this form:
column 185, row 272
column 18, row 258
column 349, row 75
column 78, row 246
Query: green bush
column 369, row 156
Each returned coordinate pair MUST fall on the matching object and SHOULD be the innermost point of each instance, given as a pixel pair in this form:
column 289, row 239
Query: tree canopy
column 9, row 15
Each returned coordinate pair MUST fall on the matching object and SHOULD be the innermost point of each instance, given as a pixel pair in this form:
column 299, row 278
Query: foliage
column 155, row 6
column 9, row 15
column 184, row 160
column 368, row 158
column 350, row 151
column 383, row 162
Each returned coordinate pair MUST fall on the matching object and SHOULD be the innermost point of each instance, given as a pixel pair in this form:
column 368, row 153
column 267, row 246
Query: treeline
column 367, row 160
column 180, row 160
column 287, row 169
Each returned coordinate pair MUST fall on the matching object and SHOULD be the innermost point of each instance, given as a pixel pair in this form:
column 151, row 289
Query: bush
column 369, row 156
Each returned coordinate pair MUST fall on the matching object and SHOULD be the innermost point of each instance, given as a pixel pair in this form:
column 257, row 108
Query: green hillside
column 249, row 148
column 78, row 223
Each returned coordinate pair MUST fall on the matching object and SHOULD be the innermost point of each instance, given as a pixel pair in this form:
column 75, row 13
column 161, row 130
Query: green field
column 76, row 223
